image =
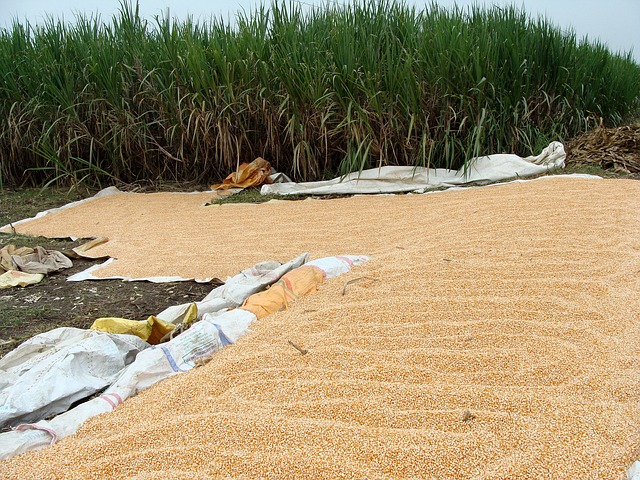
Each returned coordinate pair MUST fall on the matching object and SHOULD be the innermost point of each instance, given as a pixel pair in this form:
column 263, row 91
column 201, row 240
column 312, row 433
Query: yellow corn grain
column 516, row 303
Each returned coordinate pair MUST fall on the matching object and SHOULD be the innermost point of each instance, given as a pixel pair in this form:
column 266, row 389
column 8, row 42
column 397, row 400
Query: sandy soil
column 494, row 334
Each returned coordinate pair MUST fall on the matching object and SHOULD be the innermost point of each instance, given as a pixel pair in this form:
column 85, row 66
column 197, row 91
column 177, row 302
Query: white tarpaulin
column 182, row 353
column 88, row 275
column 51, row 371
column 482, row 170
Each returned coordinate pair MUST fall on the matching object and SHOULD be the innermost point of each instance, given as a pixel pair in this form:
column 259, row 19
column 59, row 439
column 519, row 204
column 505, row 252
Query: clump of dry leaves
column 616, row 149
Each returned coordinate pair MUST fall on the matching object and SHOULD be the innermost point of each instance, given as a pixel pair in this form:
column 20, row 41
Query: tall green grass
column 316, row 91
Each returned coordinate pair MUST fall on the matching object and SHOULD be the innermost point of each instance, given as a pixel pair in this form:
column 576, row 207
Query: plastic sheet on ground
column 634, row 471
column 40, row 260
column 48, row 373
column 6, row 257
column 22, row 266
column 390, row 179
column 32, row 260
column 14, row 278
column 40, row 346
column 182, row 353
column 88, row 275
column 82, row 250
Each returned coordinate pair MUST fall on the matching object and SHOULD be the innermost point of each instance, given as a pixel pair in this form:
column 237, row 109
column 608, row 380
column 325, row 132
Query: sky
column 614, row 22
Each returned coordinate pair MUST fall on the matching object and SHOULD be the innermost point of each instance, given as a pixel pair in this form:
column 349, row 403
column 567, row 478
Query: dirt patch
column 54, row 302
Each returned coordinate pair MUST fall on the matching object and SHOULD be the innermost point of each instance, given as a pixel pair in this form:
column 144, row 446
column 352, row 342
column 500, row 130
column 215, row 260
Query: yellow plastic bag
column 152, row 329
column 292, row 285
column 14, row 278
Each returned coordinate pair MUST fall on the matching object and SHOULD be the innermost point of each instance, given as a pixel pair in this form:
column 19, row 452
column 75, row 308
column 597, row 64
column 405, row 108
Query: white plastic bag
column 338, row 265
column 50, row 382
column 236, row 289
column 152, row 365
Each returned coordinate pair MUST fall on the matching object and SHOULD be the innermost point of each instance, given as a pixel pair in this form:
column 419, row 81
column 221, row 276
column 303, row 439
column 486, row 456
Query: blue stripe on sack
column 172, row 362
column 223, row 338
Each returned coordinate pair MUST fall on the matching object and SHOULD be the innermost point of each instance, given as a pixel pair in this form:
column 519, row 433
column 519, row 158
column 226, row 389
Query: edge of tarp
column 450, row 189
column 88, row 275
column 486, row 169
column 105, row 192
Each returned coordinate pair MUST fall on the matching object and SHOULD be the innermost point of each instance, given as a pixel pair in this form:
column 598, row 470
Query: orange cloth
column 292, row 285
column 248, row 175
